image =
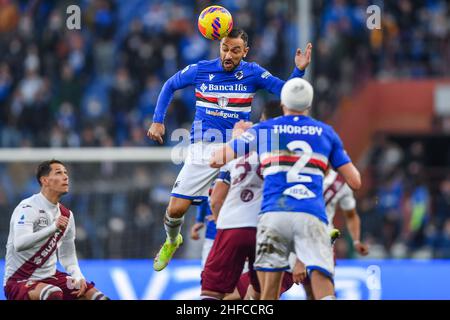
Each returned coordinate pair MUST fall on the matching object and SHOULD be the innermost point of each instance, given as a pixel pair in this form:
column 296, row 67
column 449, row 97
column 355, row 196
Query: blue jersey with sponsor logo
column 222, row 98
column 203, row 211
column 294, row 153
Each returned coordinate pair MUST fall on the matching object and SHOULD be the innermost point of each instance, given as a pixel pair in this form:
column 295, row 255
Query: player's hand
column 195, row 229
column 81, row 283
column 302, row 60
column 299, row 273
column 220, row 156
column 156, row 132
column 62, row 222
column 240, row 127
column 361, row 248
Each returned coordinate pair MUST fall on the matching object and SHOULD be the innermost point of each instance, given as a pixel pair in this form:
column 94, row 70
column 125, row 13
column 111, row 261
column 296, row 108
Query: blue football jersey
column 294, row 153
column 222, row 98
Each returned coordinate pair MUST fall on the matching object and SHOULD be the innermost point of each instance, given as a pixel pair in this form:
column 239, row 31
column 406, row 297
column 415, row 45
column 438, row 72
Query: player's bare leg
column 308, row 289
column 270, row 283
column 233, row 296
column 252, row 294
column 93, row 294
column 45, row 291
column 322, row 286
column 173, row 221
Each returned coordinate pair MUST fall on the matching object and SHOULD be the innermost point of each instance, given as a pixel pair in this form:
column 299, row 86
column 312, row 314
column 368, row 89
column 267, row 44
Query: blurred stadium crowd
column 98, row 87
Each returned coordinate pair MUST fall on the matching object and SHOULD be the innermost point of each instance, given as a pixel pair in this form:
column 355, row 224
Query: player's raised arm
column 179, row 80
column 24, row 237
column 302, row 60
column 274, row 84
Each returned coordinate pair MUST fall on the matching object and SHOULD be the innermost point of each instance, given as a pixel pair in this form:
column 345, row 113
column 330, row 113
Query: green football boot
column 166, row 252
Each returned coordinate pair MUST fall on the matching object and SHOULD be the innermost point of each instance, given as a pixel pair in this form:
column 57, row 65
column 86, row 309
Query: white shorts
column 279, row 233
column 207, row 245
column 196, row 176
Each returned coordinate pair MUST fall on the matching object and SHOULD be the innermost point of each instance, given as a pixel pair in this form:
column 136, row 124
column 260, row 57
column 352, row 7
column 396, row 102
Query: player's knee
column 178, row 207
column 51, row 292
column 176, row 211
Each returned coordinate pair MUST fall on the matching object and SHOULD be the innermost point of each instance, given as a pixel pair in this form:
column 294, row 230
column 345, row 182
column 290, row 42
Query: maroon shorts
column 244, row 282
column 223, row 268
column 18, row 290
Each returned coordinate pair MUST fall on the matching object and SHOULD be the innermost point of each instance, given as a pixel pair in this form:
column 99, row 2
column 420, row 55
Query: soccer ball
column 215, row 22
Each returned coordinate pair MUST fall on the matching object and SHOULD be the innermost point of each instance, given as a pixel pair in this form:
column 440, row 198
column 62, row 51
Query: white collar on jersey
column 46, row 202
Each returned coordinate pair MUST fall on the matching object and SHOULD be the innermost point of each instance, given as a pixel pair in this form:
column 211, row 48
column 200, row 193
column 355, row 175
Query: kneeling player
column 40, row 226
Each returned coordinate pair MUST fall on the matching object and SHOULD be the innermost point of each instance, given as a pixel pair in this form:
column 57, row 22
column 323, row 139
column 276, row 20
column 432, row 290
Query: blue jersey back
column 222, row 98
column 294, row 153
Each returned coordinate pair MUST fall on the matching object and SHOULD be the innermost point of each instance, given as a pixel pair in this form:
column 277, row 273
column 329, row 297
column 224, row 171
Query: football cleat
column 166, row 252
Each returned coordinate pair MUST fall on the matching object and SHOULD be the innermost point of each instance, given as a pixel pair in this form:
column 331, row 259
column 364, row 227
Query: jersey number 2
column 294, row 174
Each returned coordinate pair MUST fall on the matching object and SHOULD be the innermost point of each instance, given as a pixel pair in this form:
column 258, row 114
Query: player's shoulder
column 276, row 120
column 207, row 63
column 256, row 68
column 251, row 64
column 328, row 129
column 27, row 206
column 28, row 203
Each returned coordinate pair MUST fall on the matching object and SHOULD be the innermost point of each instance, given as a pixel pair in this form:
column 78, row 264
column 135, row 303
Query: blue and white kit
column 222, row 99
column 294, row 157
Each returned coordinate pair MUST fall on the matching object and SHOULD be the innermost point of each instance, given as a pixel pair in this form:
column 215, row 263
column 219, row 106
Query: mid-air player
column 224, row 90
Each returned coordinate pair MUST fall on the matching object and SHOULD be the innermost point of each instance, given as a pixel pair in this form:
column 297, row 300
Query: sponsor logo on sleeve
column 185, row 69
column 265, row 74
column 22, row 220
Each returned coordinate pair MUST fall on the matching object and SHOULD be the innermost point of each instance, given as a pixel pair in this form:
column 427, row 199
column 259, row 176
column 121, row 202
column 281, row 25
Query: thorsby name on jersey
column 294, row 152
